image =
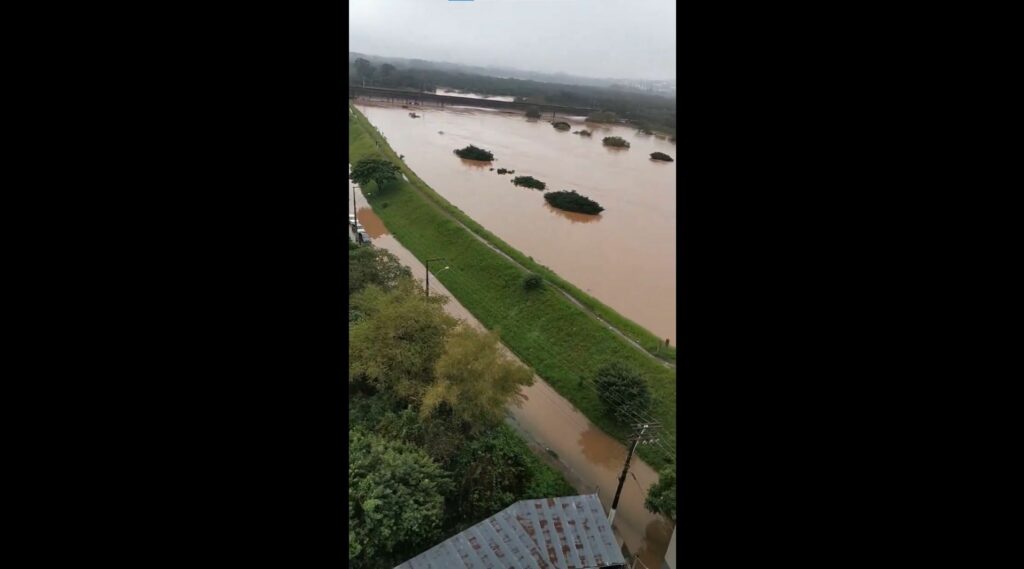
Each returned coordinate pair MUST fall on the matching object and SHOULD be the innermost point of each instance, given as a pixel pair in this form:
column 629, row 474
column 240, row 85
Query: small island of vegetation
column 571, row 201
column 529, row 182
column 661, row 156
column 616, row 141
column 561, row 125
column 583, row 132
column 473, row 153
column 505, row 171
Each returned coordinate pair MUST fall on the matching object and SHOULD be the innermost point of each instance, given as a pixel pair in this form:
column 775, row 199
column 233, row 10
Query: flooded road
column 625, row 257
column 590, row 459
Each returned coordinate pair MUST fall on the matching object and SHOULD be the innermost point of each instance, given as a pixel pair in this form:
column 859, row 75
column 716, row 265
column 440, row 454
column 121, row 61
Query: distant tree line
column 651, row 111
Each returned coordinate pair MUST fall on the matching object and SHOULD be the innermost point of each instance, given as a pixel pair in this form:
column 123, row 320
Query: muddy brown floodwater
column 590, row 459
column 625, row 257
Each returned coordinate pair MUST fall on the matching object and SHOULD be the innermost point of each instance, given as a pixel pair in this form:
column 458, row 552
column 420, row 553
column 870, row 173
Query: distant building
column 551, row 533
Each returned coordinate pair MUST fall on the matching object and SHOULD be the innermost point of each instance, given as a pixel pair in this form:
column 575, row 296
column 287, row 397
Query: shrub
column 623, row 391
column 583, row 132
column 571, row 201
column 532, row 281
column 616, row 141
column 505, row 171
column 529, row 182
column 560, row 125
column 473, row 153
column 661, row 156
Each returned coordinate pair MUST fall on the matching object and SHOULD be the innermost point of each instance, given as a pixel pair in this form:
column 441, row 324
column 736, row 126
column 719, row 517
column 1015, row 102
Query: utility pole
column 637, row 438
column 354, row 210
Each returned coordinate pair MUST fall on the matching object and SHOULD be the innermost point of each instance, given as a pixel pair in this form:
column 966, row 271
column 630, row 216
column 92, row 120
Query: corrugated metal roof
column 552, row 533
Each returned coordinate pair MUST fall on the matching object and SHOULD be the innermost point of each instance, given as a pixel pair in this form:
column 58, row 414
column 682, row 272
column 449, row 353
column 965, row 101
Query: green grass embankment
column 561, row 342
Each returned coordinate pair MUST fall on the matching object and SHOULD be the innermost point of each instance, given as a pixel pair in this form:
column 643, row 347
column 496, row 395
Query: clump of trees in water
column 661, row 156
column 533, row 113
column 583, row 132
column 602, row 116
column 571, row 201
column 473, row 153
column 529, row 182
column 505, row 171
column 560, row 125
column 616, row 141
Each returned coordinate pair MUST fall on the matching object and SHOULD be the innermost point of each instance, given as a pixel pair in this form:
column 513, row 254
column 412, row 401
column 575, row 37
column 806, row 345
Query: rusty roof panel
column 552, row 533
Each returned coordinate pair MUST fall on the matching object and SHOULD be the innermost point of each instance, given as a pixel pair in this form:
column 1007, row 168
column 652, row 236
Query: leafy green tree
column 623, row 391
column 661, row 498
column 364, row 69
column 474, row 380
column 395, row 500
column 495, row 471
column 374, row 266
column 374, row 170
column 398, row 339
column 571, row 201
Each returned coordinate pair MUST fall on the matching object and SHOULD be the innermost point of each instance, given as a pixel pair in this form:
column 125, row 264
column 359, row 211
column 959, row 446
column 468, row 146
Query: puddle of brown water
column 625, row 258
column 591, row 459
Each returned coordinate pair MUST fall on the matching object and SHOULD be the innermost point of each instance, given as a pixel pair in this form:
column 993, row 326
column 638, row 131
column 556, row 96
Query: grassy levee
column 636, row 332
column 562, row 343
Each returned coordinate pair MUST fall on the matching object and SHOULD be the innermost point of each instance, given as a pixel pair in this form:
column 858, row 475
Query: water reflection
column 572, row 215
column 476, row 164
column 371, row 223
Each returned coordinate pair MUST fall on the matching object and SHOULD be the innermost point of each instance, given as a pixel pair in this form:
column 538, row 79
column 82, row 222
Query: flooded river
column 590, row 459
column 625, row 257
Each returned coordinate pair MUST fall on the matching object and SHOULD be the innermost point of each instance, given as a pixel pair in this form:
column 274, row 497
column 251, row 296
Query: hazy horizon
column 597, row 39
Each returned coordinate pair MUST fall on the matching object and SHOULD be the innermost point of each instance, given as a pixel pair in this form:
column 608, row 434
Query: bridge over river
column 399, row 95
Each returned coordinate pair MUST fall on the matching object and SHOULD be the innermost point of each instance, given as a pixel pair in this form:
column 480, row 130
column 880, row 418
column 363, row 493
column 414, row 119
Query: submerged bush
column 661, row 156
column 616, row 141
column 533, row 113
column 505, row 171
column 571, row 201
column 473, row 153
column 560, row 125
column 529, row 182
column 583, row 132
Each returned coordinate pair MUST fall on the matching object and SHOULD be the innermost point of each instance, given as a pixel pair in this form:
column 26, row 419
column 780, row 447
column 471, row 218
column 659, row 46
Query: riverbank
column 545, row 329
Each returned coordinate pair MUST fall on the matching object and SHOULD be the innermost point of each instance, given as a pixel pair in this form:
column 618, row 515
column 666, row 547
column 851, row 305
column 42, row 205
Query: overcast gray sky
column 632, row 39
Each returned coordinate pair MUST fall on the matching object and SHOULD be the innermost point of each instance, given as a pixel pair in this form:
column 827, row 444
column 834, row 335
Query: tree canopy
column 374, row 266
column 616, row 141
column 399, row 339
column 473, row 153
column 661, row 498
column 375, row 170
column 474, row 380
column 395, row 500
column 661, row 156
column 529, row 182
column 623, row 391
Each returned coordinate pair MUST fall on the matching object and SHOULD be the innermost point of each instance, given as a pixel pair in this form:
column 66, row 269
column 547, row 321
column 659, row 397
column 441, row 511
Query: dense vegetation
column 529, row 182
column 502, row 171
column 661, row 498
column 548, row 331
column 583, row 132
column 624, row 391
column 532, row 281
column 473, row 153
column 656, row 111
column 533, row 113
column 560, row 125
column 571, row 201
column 616, row 141
column 661, row 156
column 429, row 453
